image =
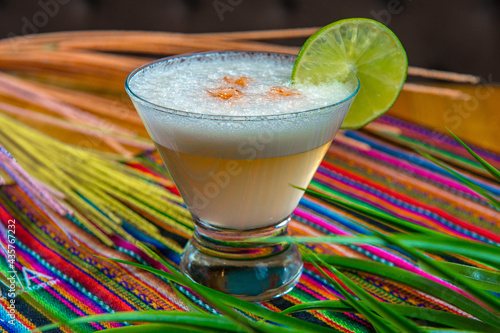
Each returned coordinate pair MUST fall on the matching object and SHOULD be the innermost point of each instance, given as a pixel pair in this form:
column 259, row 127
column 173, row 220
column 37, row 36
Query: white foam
column 184, row 86
column 271, row 128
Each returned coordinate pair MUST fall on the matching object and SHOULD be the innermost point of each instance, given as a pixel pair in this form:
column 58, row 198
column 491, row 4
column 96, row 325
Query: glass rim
column 197, row 115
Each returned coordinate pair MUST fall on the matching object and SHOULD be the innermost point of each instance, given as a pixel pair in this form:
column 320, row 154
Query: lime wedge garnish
column 362, row 46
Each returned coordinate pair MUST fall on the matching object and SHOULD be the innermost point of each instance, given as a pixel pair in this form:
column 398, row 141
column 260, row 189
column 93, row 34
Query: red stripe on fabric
column 64, row 267
column 412, row 201
column 148, row 171
column 366, row 195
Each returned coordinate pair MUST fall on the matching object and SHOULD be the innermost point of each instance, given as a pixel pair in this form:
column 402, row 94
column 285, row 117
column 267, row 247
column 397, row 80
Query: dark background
column 454, row 35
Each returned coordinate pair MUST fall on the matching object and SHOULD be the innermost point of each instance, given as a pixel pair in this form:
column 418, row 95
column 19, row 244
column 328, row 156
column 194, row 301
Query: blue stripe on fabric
column 347, row 223
column 400, row 203
column 139, row 235
column 418, row 161
column 334, row 216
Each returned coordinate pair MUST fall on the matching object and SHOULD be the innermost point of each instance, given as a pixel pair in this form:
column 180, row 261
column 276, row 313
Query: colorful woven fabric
column 57, row 277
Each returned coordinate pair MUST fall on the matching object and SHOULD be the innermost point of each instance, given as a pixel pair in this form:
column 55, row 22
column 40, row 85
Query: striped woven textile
column 55, row 278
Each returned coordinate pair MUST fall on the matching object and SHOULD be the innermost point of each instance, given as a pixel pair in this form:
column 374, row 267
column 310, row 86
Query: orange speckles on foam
column 281, row 92
column 242, row 81
column 225, row 93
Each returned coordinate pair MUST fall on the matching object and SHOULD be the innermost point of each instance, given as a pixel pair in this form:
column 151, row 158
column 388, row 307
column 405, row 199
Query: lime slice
column 362, row 46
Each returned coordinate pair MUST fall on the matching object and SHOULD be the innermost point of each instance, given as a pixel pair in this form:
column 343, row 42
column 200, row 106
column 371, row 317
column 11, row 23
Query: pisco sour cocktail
column 235, row 134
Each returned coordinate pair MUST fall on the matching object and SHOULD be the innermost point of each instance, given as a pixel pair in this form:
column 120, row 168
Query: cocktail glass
column 234, row 174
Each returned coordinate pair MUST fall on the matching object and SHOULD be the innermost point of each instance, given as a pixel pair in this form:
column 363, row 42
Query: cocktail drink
column 235, row 134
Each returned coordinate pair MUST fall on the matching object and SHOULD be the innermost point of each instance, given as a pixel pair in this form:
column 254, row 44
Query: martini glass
column 234, row 173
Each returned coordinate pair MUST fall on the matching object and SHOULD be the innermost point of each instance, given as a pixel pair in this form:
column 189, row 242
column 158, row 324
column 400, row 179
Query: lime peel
column 365, row 47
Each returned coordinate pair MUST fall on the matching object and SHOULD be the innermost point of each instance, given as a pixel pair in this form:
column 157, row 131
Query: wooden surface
column 475, row 120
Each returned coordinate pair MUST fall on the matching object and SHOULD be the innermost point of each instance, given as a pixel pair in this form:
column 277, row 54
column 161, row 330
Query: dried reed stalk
column 77, row 59
column 100, row 133
column 442, row 75
column 49, row 41
column 74, row 81
column 264, row 34
column 150, row 42
column 107, row 65
column 144, row 42
column 101, row 180
column 446, row 92
column 170, row 43
column 107, row 107
column 382, row 128
column 53, row 38
column 17, row 89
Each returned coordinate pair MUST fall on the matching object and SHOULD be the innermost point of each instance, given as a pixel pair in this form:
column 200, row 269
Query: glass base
column 218, row 258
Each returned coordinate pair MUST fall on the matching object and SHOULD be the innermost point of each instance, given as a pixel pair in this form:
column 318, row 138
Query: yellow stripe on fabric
column 62, row 249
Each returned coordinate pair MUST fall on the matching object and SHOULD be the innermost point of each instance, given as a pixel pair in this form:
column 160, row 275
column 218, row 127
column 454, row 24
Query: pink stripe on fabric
column 69, row 305
column 376, row 251
column 399, row 207
column 420, row 171
column 70, row 291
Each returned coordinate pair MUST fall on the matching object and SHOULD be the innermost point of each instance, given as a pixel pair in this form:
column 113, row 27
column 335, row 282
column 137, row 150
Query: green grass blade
column 483, row 252
column 372, row 213
column 482, row 278
column 192, row 305
column 439, row 152
column 189, row 303
column 415, row 281
column 478, row 189
column 458, row 280
column 448, row 330
column 188, row 320
column 372, row 240
column 488, row 167
column 489, row 256
column 387, row 313
column 156, row 256
column 337, row 306
column 380, row 324
column 234, row 302
column 472, row 249
column 162, row 328
column 195, row 320
column 435, row 316
column 207, row 294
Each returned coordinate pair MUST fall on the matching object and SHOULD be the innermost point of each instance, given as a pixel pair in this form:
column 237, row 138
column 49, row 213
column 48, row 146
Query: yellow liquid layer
column 242, row 193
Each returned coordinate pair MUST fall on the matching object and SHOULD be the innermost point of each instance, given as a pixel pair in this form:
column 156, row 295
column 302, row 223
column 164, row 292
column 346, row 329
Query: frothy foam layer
column 174, row 101
column 189, row 85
